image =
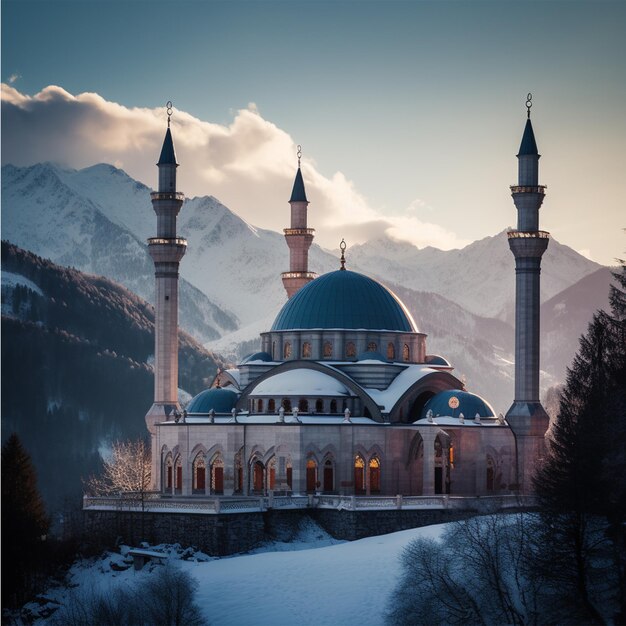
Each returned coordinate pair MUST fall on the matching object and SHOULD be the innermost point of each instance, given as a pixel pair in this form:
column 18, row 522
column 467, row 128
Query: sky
column 409, row 113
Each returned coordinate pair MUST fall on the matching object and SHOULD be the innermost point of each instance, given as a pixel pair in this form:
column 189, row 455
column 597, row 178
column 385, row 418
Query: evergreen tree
column 581, row 486
column 24, row 524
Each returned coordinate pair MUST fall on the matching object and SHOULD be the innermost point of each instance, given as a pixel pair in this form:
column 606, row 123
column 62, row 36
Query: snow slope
column 280, row 584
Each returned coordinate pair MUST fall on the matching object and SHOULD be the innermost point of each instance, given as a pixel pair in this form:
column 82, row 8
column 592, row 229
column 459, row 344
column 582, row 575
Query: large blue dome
column 344, row 299
column 453, row 402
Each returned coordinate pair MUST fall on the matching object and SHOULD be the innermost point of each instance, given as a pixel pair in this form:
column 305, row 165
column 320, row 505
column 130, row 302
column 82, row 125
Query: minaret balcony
column 299, row 231
column 307, row 275
column 167, row 195
column 532, row 234
column 529, row 189
column 170, row 241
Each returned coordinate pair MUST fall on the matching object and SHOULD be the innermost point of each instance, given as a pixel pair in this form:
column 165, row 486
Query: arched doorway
column 289, row 473
column 258, row 472
column 359, row 475
column 442, row 466
column 329, row 475
column 199, row 474
column 217, row 474
column 374, row 471
column 311, row 475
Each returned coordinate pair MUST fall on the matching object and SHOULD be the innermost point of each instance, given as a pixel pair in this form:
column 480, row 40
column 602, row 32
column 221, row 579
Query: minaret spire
column 166, row 250
column 527, row 417
column 298, row 237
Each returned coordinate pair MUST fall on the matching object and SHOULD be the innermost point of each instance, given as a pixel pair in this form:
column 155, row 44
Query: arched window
column 372, row 346
column 406, row 353
column 306, row 350
column 168, row 473
column 344, row 406
column 311, row 475
column 286, row 405
column 199, row 474
column 178, row 474
column 238, row 472
column 271, row 473
column 328, row 350
column 350, row 350
column 303, row 405
column 258, row 475
column 319, row 406
column 374, row 469
column 359, row 475
column 289, row 473
column 329, row 475
column 333, row 406
column 259, row 406
column 490, row 474
column 391, row 352
column 217, row 474
column 271, row 405
column 287, row 350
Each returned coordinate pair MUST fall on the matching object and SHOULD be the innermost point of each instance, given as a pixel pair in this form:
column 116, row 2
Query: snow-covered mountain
column 69, row 217
column 97, row 219
column 477, row 277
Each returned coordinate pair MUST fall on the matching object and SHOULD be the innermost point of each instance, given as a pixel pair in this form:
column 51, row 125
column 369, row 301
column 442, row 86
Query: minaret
column 298, row 237
column 527, row 417
column 166, row 250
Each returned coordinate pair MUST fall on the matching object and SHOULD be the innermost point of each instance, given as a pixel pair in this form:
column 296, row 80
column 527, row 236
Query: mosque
column 343, row 397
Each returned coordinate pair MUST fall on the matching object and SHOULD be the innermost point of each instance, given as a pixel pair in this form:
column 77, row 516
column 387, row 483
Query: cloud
column 249, row 164
column 13, row 78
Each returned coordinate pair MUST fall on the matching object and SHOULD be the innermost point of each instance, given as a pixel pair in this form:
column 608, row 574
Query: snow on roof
column 273, row 419
column 235, row 374
column 300, row 382
column 387, row 398
column 455, row 421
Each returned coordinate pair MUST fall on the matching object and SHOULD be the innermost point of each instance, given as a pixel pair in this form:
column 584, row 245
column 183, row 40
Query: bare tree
column 126, row 470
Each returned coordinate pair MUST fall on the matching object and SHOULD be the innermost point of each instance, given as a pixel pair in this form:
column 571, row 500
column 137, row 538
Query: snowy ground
column 314, row 579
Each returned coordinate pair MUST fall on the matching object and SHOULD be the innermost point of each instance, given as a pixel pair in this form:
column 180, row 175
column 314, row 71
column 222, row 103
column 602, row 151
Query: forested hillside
column 76, row 350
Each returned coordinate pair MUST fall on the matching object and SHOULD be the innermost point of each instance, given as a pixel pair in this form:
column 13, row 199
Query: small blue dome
column 435, row 359
column 344, row 299
column 257, row 356
column 453, row 402
column 218, row 399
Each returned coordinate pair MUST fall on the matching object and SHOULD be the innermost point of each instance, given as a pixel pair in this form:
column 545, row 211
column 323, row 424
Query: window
column 178, row 473
column 199, row 473
column 303, row 405
column 333, row 406
column 311, row 475
column 328, row 350
column 274, row 350
column 287, row 350
column 271, row 474
column 289, row 472
column 374, row 469
column 406, row 353
column 359, row 475
column 350, row 350
column 306, row 350
column 259, row 406
column 286, row 405
column 271, row 405
column 217, row 474
column 319, row 406
column 329, row 475
column 372, row 346
column 168, row 472
column 391, row 352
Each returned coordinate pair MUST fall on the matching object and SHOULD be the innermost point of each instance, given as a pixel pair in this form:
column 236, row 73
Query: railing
column 178, row 241
column 157, row 503
column 529, row 189
column 531, row 234
column 299, row 275
column 167, row 195
column 299, row 231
